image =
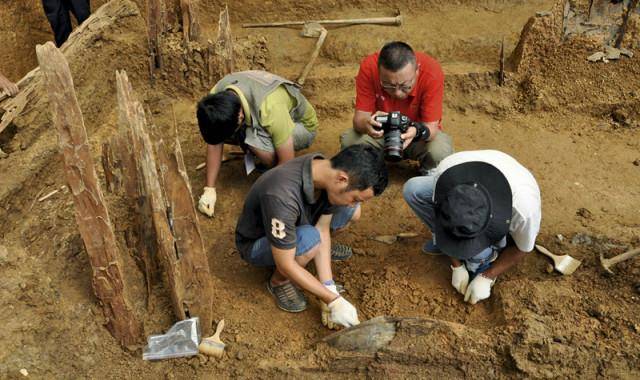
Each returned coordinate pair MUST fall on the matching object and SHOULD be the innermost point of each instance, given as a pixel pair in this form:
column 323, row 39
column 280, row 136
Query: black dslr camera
column 394, row 124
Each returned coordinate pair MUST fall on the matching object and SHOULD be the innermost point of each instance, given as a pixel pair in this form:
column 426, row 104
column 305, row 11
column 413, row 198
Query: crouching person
column 483, row 209
column 261, row 112
column 288, row 217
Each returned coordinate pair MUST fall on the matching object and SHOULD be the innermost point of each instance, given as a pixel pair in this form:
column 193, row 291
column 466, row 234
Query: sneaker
column 430, row 248
column 288, row 297
column 340, row 252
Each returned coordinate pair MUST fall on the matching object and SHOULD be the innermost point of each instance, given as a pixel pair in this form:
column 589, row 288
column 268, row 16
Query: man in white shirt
column 483, row 209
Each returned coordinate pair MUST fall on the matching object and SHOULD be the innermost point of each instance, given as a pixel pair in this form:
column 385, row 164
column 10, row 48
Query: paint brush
column 212, row 345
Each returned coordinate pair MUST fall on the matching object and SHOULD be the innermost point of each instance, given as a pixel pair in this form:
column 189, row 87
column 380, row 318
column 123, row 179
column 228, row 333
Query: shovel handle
column 397, row 20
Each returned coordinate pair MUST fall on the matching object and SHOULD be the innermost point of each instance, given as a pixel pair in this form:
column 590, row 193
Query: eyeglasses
column 404, row 87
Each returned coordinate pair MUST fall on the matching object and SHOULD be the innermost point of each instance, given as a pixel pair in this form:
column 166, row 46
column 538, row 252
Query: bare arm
column 287, row 265
column 8, row 86
column 214, row 160
column 508, row 258
column 323, row 258
column 285, row 152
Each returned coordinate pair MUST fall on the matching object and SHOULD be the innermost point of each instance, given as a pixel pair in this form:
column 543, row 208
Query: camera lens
column 393, row 145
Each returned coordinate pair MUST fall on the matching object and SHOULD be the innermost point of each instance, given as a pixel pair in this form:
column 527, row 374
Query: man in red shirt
column 397, row 79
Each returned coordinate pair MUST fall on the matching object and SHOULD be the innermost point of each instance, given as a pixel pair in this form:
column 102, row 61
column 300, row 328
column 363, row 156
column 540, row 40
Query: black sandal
column 288, row 297
column 340, row 252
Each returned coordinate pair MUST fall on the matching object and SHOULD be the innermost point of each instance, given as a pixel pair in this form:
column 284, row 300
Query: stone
column 596, row 57
column 24, row 372
column 240, row 355
column 584, row 213
column 637, row 162
column 3, row 154
column 387, row 239
column 611, row 53
column 626, row 52
column 543, row 13
column 581, row 239
column 620, row 115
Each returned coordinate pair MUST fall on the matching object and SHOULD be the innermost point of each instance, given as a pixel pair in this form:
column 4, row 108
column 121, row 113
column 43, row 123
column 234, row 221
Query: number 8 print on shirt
column 277, row 229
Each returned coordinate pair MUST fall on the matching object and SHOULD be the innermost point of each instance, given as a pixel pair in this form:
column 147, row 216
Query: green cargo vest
column 256, row 85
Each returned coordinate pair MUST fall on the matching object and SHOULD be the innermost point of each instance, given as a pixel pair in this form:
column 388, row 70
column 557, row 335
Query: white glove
column 207, row 202
column 460, row 278
column 325, row 315
column 343, row 313
column 479, row 289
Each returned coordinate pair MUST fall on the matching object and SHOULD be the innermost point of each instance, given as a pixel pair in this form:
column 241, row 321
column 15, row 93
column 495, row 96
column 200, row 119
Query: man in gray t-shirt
column 288, row 216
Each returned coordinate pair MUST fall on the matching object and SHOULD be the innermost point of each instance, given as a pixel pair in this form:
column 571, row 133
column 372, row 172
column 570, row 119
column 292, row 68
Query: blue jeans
column 307, row 238
column 418, row 193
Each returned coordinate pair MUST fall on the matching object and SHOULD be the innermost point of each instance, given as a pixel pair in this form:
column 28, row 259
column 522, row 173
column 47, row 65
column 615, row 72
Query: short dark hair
column 365, row 167
column 218, row 116
column 396, row 55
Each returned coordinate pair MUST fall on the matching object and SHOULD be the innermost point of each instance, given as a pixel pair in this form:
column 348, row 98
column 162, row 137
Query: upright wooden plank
column 155, row 27
column 192, row 265
column 188, row 280
column 190, row 25
column 225, row 42
column 91, row 213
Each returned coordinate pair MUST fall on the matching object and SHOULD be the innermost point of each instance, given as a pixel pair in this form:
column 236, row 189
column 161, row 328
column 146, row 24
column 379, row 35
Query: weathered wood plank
column 179, row 244
column 224, row 42
column 190, row 25
column 91, row 213
column 155, row 28
column 191, row 264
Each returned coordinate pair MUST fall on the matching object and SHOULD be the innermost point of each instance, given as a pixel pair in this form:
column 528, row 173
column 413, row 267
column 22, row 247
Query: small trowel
column 564, row 264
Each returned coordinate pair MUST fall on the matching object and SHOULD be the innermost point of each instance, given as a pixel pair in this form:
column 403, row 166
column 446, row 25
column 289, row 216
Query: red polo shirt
column 424, row 103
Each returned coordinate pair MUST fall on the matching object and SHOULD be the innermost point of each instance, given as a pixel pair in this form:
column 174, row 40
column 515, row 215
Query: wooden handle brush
column 212, row 345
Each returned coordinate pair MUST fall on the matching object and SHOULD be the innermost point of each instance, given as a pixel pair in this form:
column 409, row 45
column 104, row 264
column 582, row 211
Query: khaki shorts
column 258, row 138
column 427, row 153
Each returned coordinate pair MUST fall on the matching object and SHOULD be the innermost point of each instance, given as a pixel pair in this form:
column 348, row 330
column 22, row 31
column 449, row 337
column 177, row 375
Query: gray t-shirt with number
column 281, row 199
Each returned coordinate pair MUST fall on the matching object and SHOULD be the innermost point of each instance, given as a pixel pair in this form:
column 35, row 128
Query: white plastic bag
column 181, row 340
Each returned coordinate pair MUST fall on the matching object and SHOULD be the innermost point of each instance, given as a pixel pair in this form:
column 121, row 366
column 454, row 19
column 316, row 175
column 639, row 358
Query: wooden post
column 625, row 20
column 155, row 27
column 501, row 72
column 225, row 41
column 121, row 174
column 185, row 265
column 91, row 213
column 190, row 25
column 191, row 264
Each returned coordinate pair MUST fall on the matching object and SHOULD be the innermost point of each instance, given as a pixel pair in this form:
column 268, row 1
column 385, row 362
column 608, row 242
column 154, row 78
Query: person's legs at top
column 81, row 9
column 59, row 19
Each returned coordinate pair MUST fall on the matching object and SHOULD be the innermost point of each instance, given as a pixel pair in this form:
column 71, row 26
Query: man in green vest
column 265, row 114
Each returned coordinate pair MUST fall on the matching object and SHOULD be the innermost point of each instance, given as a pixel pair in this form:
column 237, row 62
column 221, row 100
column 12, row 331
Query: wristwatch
column 422, row 131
